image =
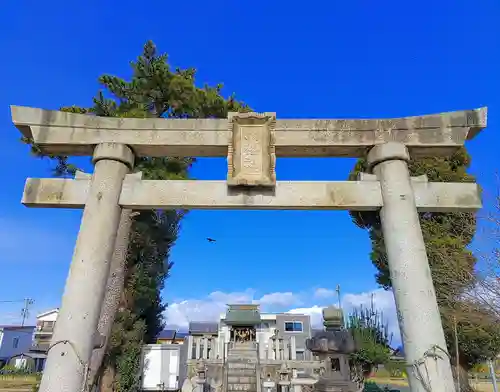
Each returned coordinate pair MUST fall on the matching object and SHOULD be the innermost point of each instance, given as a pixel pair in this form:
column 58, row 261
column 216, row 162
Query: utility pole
column 493, row 375
column 337, row 290
column 25, row 311
column 456, row 353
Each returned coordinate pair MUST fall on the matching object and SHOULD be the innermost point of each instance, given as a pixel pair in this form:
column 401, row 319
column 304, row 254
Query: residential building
column 34, row 355
column 14, row 340
column 206, row 334
column 42, row 336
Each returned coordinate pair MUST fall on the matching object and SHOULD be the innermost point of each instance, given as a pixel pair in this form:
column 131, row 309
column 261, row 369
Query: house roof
column 170, row 333
column 196, row 327
column 56, row 310
column 30, row 354
column 15, row 327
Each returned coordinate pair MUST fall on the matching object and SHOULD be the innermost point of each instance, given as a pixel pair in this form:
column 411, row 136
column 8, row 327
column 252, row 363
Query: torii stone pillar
column 74, row 335
column 429, row 367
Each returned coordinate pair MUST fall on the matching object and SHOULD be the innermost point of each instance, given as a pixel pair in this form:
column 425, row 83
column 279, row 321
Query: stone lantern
column 201, row 376
column 268, row 384
column 284, row 378
column 333, row 346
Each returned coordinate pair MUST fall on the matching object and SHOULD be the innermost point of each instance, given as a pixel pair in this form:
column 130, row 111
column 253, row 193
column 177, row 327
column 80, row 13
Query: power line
column 25, row 310
column 12, row 301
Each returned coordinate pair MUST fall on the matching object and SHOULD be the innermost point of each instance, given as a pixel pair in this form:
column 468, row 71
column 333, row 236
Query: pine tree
column 155, row 90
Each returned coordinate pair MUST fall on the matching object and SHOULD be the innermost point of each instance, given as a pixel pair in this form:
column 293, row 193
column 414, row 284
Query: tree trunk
column 114, row 289
column 106, row 381
column 463, row 375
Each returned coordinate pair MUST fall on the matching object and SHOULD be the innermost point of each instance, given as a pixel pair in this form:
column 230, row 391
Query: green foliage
column 447, row 237
column 11, row 370
column 154, row 90
column 36, row 385
column 395, row 368
column 372, row 340
column 478, row 332
column 373, row 387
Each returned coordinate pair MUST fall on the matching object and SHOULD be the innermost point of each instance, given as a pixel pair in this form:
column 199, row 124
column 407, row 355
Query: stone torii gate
column 251, row 142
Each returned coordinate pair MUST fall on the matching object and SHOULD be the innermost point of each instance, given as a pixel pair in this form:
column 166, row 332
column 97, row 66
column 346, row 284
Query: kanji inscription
column 251, row 153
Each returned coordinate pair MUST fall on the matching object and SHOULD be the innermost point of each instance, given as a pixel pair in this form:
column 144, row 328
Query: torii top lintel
column 62, row 133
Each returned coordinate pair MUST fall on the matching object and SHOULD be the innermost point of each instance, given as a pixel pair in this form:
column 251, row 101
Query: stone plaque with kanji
column 251, row 153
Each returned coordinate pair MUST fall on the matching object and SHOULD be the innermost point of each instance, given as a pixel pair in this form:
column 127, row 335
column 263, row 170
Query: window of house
column 294, row 326
column 15, row 342
column 300, row 355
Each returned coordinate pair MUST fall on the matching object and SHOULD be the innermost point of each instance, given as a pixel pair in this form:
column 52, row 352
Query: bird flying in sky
column 210, row 239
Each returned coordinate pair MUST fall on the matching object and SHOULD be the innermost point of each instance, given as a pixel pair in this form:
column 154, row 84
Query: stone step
column 241, row 387
column 242, row 352
column 241, row 365
column 238, row 357
column 247, row 359
column 253, row 373
column 243, row 390
column 237, row 352
column 243, row 347
column 241, row 379
column 242, row 372
column 247, row 373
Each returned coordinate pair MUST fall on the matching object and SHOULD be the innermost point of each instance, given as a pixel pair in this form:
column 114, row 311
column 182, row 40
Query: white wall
column 160, row 364
column 25, row 336
column 266, row 329
column 49, row 316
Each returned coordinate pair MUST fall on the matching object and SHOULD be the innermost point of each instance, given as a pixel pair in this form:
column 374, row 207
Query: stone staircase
column 242, row 361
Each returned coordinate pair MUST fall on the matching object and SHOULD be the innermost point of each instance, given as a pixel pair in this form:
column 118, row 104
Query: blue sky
column 322, row 59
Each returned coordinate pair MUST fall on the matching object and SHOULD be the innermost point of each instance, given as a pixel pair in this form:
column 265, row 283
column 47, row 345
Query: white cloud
column 324, row 293
column 279, row 299
column 180, row 313
column 314, row 311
